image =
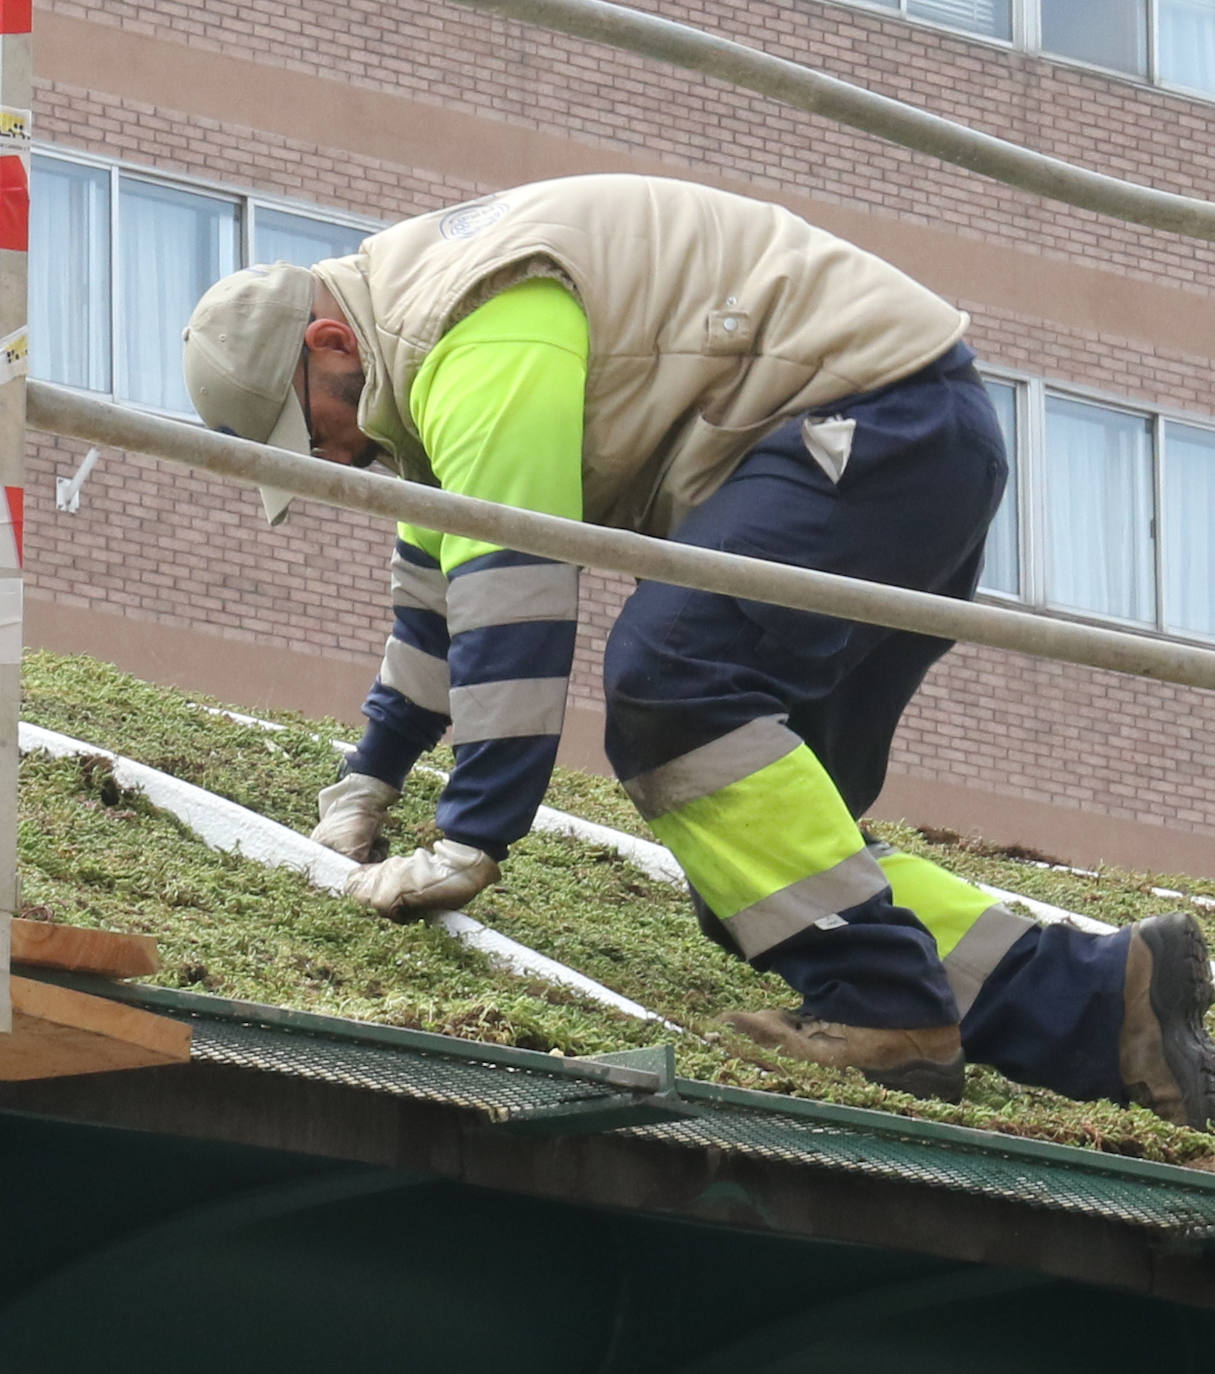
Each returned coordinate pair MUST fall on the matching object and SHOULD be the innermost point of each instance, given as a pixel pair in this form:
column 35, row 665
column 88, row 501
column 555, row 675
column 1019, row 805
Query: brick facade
column 433, row 104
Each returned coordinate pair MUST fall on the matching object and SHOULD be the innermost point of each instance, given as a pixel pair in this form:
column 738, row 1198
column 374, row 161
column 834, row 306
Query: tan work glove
column 439, row 879
column 352, row 811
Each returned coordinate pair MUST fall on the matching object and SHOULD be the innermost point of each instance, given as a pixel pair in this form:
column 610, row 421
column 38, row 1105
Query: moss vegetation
column 93, row 854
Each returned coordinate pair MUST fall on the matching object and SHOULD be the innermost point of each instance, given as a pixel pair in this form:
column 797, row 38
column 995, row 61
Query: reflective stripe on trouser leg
column 768, row 843
column 772, row 850
column 972, row 932
column 1042, row 1004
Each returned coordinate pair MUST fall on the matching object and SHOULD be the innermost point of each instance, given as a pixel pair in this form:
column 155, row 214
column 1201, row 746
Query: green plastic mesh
column 884, row 1153
column 938, row 1157
column 455, row 1081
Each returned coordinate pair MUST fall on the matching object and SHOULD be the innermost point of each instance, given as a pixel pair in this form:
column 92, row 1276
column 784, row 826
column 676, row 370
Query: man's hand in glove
column 442, row 879
column 351, row 813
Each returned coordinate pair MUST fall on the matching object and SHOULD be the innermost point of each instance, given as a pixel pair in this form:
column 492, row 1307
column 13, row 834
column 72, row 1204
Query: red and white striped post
column 16, row 82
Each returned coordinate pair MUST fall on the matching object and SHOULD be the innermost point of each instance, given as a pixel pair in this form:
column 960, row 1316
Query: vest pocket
column 705, row 455
column 728, row 331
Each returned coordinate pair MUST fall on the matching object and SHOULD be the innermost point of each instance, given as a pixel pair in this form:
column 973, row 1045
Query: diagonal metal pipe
column 813, row 91
column 57, row 410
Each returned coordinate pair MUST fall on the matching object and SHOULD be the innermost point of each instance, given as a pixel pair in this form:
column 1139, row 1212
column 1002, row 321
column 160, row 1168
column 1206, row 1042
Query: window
column 1169, row 42
column 69, row 274
column 1002, row 563
column 1189, row 530
column 279, row 236
column 118, row 259
column 1185, row 43
column 1109, row 512
column 173, row 245
column 1099, row 511
column 992, row 18
column 1109, row 33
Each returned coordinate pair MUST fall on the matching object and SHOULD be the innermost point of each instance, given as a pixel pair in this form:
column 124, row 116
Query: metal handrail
column 58, row 410
column 805, row 89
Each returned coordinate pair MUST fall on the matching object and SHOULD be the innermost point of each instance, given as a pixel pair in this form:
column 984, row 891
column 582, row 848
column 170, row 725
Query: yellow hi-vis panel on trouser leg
column 947, row 905
column 972, row 929
column 775, row 828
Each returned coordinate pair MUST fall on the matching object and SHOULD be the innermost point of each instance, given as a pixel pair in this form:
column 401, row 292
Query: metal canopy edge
column 636, row 1093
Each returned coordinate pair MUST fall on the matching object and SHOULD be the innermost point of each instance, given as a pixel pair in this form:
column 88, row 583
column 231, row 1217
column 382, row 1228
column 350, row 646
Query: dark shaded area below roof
column 302, row 1155
column 129, row 1252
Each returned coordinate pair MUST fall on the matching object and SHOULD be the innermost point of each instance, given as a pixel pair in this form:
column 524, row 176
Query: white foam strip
column 655, row 860
column 658, row 862
column 1050, row 915
column 220, row 823
column 519, row 959
column 224, row 825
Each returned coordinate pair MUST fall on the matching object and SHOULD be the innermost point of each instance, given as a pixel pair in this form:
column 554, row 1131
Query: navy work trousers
column 911, row 508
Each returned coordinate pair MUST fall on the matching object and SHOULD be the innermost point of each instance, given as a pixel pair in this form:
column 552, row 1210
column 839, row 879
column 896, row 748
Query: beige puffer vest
column 712, row 317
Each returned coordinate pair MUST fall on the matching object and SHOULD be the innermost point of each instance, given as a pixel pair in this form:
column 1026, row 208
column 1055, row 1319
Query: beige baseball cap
column 239, row 354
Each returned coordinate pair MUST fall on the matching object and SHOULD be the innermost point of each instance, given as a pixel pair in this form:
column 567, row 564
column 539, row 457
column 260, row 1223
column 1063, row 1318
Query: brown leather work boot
column 925, row 1063
column 1166, row 1058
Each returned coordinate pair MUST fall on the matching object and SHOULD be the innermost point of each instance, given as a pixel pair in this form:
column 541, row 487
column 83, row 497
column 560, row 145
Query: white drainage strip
column 659, row 863
column 224, row 825
column 655, row 860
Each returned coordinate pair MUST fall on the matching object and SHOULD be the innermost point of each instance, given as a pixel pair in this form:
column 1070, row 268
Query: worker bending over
column 659, row 356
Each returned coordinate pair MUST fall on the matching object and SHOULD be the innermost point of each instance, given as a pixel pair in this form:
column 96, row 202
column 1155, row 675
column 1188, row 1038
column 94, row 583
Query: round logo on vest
column 471, row 219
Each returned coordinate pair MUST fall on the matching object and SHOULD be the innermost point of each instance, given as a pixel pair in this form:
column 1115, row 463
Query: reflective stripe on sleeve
column 416, row 586
column 508, row 710
column 732, row 758
column 512, row 595
column 416, row 675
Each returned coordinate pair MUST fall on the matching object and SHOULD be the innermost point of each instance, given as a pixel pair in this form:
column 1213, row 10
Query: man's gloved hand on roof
column 351, row 812
column 438, row 879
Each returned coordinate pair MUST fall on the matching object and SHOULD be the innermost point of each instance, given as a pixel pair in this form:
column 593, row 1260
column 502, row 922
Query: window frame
column 1033, row 552
column 247, row 201
column 1016, row 479
column 1027, row 37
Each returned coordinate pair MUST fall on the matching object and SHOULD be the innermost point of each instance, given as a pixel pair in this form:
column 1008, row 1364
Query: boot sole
column 924, row 1078
column 1180, row 992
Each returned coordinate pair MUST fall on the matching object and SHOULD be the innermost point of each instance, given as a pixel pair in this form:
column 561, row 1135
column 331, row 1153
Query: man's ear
column 331, row 336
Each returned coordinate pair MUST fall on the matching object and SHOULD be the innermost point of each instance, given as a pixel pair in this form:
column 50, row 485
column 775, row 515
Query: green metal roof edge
column 692, row 1090
column 344, row 1028
column 944, row 1132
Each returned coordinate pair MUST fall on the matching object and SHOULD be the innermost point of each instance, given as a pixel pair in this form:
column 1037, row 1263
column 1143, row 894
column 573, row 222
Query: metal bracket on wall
column 648, row 1077
column 67, row 489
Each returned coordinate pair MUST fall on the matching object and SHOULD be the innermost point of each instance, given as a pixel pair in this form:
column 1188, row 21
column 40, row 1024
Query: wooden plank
column 108, row 952
column 58, row 1031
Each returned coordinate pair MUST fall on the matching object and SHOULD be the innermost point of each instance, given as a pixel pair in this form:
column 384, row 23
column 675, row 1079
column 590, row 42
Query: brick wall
column 159, row 545
column 461, row 59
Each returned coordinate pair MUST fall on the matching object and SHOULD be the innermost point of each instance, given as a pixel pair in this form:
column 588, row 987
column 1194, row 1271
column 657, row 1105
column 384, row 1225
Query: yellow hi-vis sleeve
column 498, row 403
